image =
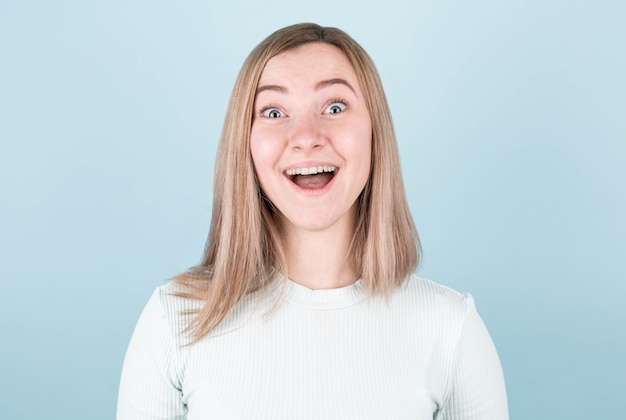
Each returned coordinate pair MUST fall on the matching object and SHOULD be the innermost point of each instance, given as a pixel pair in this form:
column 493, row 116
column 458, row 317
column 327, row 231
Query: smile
column 311, row 177
column 311, row 170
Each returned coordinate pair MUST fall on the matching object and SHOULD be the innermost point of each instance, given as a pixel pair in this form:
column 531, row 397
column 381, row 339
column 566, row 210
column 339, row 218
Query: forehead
column 310, row 61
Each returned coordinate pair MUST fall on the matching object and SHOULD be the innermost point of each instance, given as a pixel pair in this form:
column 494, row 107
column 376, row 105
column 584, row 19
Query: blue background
column 511, row 118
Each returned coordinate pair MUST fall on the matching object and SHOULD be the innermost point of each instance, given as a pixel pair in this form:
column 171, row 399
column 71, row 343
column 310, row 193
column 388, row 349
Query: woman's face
column 311, row 136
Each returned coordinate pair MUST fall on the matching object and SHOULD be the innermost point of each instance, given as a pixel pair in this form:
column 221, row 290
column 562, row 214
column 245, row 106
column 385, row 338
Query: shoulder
column 423, row 293
column 432, row 310
column 178, row 311
column 169, row 297
column 170, row 313
column 469, row 381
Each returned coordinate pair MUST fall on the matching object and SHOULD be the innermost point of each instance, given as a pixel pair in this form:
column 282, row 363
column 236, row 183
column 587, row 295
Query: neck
column 320, row 259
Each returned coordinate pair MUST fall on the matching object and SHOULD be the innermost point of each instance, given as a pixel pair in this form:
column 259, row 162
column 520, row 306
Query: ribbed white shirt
column 295, row 353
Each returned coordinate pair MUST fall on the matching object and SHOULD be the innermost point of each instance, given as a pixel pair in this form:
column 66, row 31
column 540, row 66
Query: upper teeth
column 312, row 170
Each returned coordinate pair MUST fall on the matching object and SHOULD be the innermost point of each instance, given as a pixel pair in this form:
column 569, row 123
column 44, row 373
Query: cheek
column 267, row 144
column 360, row 144
column 258, row 149
column 264, row 156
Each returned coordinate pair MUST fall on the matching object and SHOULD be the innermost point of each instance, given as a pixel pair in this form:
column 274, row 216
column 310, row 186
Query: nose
column 307, row 134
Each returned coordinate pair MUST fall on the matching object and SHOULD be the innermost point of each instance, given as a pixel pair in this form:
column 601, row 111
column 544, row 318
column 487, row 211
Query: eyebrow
column 271, row 87
column 319, row 85
column 330, row 82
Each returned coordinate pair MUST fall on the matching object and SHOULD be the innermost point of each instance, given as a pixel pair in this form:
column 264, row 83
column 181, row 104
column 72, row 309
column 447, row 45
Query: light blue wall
column 511, row 118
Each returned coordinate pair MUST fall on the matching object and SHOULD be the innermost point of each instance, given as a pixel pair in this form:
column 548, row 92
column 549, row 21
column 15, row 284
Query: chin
column 311, row 225
column 315, row 222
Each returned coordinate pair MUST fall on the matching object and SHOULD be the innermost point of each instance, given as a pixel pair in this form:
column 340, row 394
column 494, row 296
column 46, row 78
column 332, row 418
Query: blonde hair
column 243, row 252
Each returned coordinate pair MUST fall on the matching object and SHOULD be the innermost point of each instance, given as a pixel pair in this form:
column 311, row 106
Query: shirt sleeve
column 150, row 387
column 476, row 389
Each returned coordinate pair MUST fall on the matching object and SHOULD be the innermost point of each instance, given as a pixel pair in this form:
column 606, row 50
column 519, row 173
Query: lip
column 311, row 191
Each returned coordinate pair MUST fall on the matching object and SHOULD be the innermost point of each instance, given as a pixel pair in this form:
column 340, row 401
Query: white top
column 317, row 354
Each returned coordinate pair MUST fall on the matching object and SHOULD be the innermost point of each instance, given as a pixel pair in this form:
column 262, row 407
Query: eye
column 272, row 113
column 335, row 107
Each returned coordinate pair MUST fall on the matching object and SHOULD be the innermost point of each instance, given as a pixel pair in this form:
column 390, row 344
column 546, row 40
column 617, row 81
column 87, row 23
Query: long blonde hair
column 244, row 252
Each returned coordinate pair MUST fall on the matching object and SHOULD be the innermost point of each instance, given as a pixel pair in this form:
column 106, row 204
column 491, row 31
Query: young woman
column 305, row 305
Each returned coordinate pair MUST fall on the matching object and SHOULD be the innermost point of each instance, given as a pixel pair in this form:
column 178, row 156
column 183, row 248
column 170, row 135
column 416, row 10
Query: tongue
column 313, row 181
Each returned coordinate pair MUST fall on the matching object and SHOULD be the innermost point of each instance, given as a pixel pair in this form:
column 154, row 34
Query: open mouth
column 311, row 177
